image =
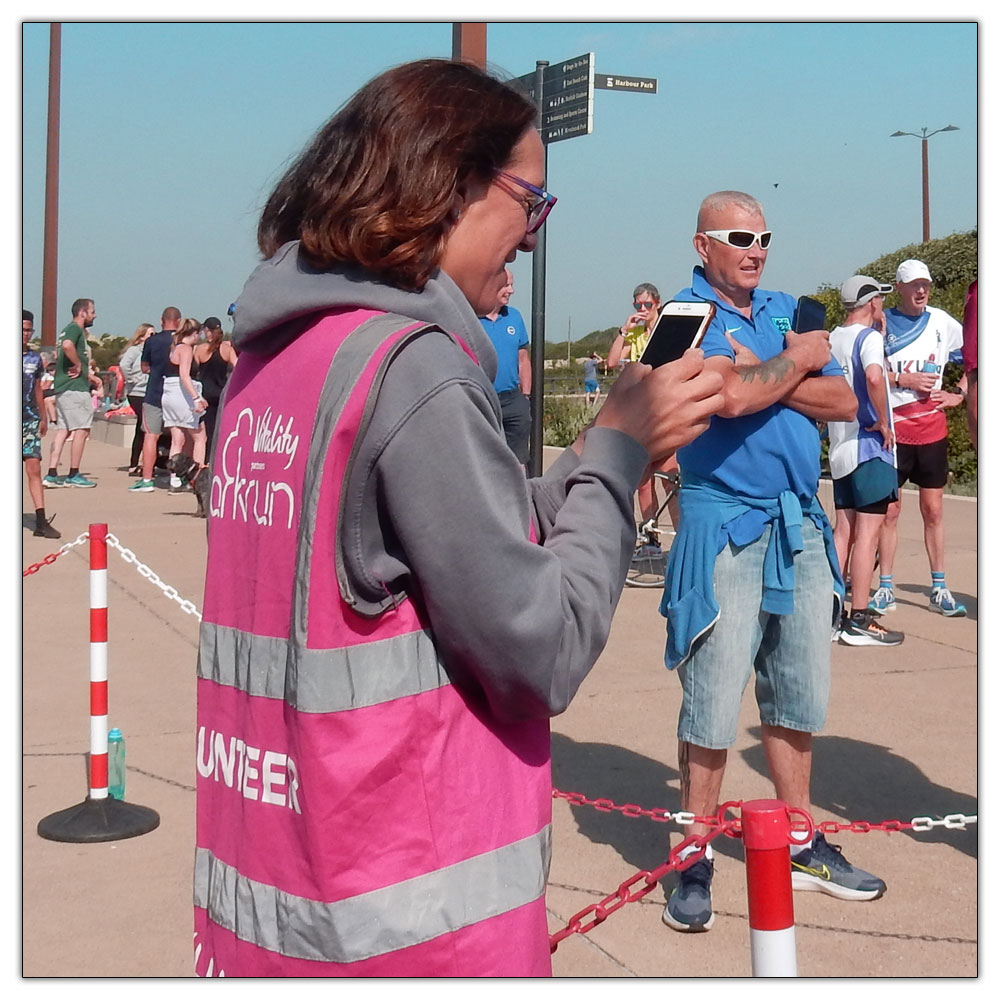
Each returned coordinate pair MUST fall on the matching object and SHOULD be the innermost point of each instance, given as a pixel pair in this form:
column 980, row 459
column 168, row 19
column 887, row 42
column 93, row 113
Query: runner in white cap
column 919, row 340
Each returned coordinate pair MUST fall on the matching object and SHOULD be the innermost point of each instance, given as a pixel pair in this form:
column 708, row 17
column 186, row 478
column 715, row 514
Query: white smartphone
column 679, row 326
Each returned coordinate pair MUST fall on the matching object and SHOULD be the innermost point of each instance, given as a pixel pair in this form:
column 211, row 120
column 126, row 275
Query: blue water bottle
column 116, row 764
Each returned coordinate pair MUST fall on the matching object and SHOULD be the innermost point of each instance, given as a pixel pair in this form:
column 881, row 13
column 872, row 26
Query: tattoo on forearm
column 775, row 370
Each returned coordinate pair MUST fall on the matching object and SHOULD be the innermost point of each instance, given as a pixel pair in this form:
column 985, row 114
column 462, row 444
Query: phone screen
column 809, row 315
column 671, row 337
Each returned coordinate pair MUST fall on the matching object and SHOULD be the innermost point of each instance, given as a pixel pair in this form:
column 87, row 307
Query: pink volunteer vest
column 356, row 814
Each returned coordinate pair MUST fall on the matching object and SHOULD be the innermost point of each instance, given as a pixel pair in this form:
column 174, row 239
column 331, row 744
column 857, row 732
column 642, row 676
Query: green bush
column 107, row 351
column 564, row 418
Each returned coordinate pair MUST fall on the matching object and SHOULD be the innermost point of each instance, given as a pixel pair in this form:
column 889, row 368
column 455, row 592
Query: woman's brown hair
column 187, row 326
column 378, row 183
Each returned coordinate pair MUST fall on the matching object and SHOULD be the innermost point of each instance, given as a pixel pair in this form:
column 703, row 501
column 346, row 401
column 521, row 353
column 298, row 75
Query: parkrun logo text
column 254, row 454
column 262, row 775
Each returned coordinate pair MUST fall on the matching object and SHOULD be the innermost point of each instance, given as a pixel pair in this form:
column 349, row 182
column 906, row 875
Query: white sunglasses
column 743, row 239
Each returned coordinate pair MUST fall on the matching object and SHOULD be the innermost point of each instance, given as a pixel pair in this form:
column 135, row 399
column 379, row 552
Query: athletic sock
column 796, row 849
column 40, row 516
column 885, row 581
column 692, row 848
column 73, row 472
column 53, row 472
column 937, row 581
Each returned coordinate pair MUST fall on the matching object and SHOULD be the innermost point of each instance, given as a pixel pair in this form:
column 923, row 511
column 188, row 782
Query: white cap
column 911, row 270
column 861, row 289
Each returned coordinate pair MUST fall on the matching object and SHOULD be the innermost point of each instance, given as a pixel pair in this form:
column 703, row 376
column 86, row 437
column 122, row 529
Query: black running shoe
column 44, row 529
column 863, row 629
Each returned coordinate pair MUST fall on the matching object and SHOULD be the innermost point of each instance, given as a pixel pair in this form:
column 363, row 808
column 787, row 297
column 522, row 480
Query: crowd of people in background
column 171, row 380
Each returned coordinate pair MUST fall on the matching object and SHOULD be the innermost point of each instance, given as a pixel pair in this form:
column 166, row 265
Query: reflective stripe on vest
column 320, row 680
column 377, row 922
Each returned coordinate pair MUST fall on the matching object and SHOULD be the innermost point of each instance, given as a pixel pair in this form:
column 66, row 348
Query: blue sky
column 172, row 135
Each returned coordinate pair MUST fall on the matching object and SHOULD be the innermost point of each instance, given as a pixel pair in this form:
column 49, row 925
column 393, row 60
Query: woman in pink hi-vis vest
column 392, row 611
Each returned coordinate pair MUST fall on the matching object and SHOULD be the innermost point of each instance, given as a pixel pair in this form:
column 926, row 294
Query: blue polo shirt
column 509, row 335
column 763, row 454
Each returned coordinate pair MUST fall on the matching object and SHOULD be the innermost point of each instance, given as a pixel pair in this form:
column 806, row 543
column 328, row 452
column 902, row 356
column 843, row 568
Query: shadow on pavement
column 604, row 771
column 922, row 594
column 865, row 781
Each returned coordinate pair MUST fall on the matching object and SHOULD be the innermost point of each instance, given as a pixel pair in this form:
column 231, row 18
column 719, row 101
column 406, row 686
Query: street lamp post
column 923, row 136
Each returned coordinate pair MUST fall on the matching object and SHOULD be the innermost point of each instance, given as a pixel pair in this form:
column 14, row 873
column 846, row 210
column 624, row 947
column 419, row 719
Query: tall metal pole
column 538, row 309
column 468, row 42
column 926, row 188
column 923, row 136
column 50, row 253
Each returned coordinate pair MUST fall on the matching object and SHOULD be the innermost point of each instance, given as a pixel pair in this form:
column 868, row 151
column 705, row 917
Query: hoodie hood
column 282, row 296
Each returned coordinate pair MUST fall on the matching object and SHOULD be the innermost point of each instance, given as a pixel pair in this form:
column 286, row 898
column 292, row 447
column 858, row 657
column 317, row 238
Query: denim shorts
column 790, row 653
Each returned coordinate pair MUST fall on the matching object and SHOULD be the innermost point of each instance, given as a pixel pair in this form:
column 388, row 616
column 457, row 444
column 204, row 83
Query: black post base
column 96, row 820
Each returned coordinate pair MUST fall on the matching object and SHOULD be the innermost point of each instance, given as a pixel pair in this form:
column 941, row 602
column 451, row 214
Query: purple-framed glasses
column 539, row 209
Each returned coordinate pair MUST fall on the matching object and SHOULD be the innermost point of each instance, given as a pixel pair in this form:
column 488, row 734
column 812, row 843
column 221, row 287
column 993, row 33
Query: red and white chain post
column 98, row 661
column 766, row 832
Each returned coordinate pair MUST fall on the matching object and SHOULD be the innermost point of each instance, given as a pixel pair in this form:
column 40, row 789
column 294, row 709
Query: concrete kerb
column 898, row 743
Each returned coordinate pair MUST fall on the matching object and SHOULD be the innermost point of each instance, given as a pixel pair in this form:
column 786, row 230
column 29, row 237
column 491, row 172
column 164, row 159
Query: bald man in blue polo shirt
column 753, row 583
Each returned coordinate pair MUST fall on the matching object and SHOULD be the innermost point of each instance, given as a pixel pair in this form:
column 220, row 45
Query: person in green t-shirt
column 74, row 407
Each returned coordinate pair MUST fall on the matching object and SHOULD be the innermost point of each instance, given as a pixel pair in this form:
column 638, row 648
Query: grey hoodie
column 440, row 510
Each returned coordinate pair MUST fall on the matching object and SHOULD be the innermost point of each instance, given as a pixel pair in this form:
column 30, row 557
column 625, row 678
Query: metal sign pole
column 564, row 94
column 538, row 311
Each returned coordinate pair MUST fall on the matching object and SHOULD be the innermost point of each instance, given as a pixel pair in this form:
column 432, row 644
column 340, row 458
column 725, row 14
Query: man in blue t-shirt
column 753, row 575
column 513, row 382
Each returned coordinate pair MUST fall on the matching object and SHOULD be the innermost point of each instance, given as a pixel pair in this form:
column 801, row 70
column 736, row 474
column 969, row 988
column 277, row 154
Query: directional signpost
column 632, row 84
column 567, row 99
column 564, row 94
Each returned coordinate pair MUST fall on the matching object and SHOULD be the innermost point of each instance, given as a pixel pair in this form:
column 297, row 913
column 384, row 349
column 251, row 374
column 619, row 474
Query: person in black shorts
column 862, row 456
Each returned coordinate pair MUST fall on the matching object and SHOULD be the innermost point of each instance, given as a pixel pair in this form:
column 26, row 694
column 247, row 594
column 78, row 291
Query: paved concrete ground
column 901, row 741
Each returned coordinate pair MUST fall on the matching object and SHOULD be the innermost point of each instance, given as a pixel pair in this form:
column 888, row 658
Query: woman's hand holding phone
column 663, row 408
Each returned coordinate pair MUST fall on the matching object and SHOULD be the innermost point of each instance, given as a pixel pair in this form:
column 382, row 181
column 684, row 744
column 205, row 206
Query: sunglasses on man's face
column 742, row 239
column 637, row 306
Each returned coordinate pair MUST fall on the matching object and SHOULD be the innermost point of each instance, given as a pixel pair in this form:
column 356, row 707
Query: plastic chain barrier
column 130, row 557
column 188, row 607
column 53, row 556
column 803, row 824
column 919, row 824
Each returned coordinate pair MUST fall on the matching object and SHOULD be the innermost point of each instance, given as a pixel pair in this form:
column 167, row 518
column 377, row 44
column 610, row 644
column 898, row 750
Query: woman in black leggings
column 135, row 388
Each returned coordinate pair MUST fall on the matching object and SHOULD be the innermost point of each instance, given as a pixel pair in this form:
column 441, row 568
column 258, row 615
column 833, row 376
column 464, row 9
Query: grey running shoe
column 943, row 602
column 823, row 868
column 884, row 600
column 690, row 905
column 863, row 629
